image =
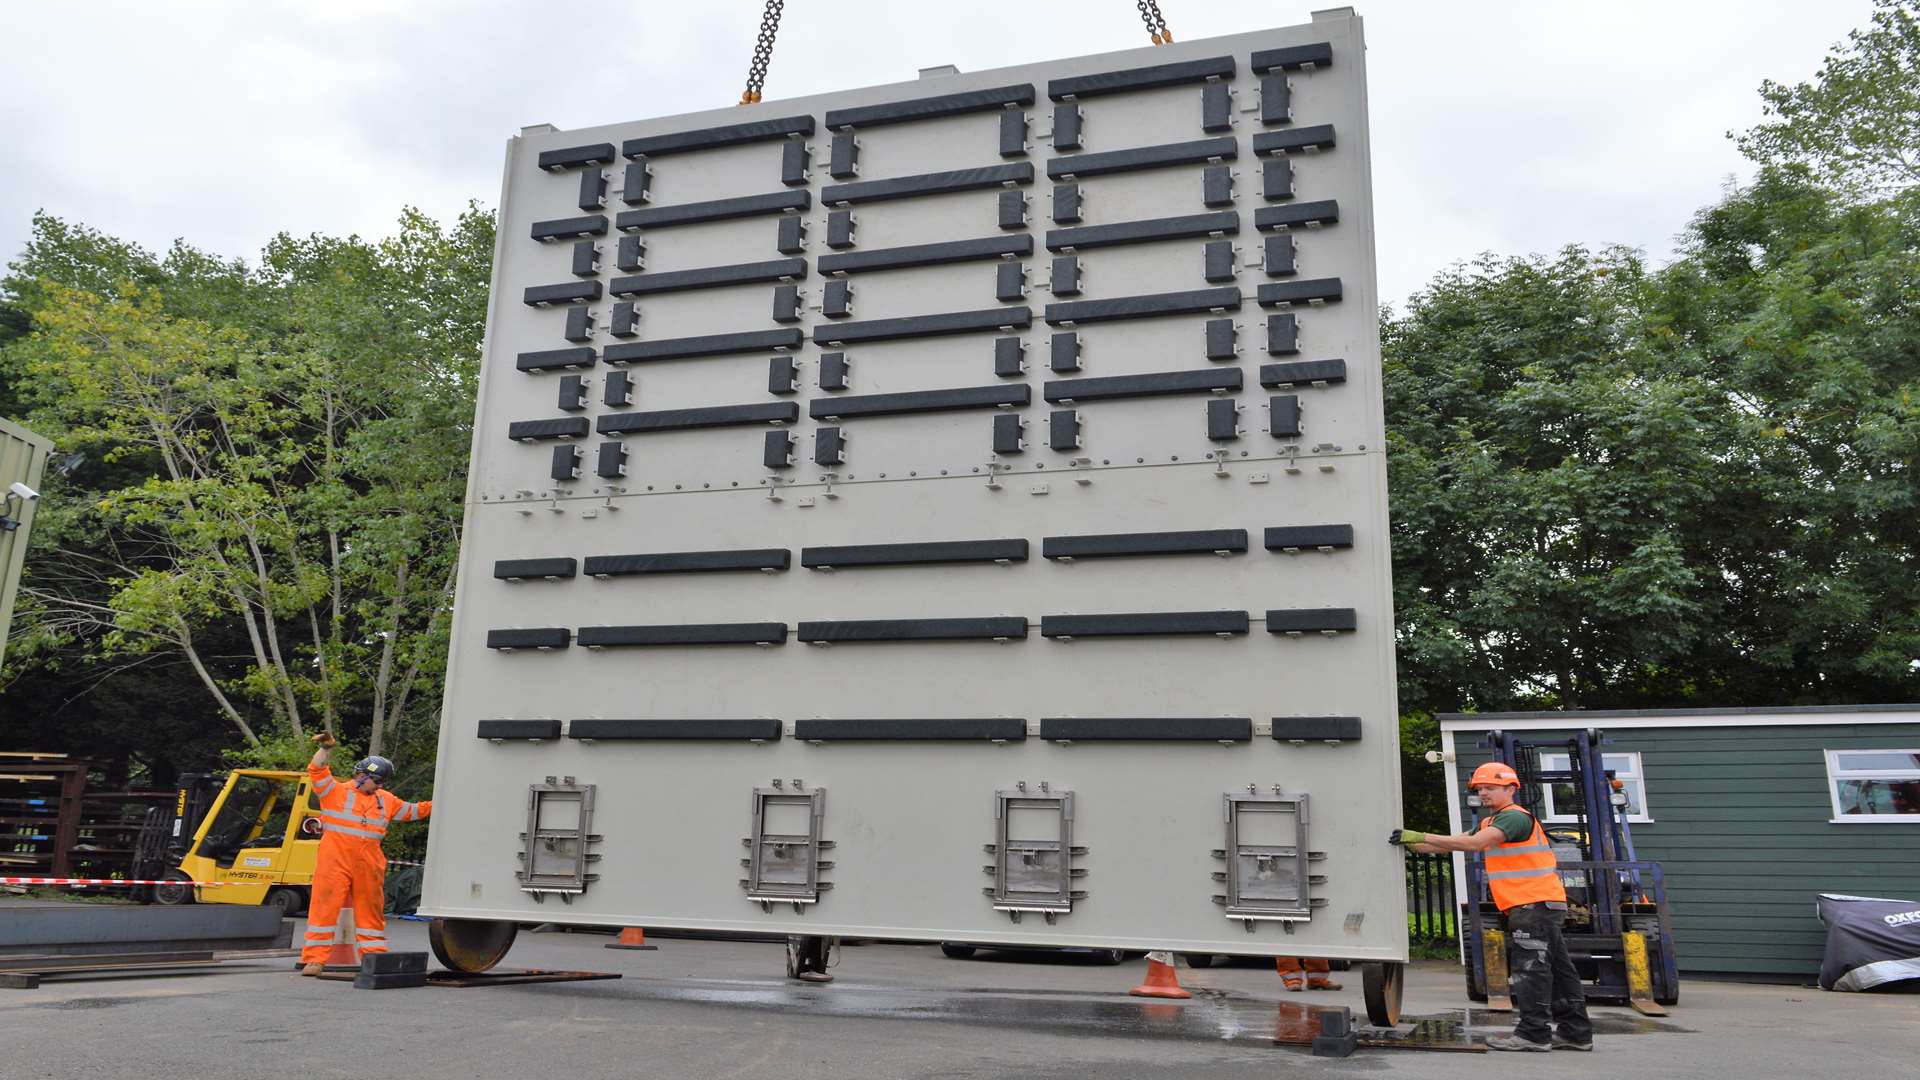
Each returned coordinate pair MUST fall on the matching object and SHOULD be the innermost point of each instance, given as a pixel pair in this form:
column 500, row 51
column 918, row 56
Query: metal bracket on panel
column 1266, row 857
column 1220, row 469
column 1082, row 470
column 554, row 856
column 783, row 863
column 994, row 468
column 1033, row 853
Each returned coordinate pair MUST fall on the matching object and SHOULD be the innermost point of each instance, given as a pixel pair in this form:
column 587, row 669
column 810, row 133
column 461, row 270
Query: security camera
column 24, row 492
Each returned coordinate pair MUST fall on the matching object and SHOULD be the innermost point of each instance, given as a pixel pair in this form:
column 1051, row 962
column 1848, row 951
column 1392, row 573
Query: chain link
column 762, row 52
column 1156, row 22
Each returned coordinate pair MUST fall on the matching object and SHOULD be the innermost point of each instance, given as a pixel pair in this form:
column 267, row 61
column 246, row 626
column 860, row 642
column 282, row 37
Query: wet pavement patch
column 1624, row 1022
column 1210, row 1016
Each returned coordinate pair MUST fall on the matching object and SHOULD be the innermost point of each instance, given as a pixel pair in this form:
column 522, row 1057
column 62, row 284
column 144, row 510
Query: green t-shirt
column 1514, row 823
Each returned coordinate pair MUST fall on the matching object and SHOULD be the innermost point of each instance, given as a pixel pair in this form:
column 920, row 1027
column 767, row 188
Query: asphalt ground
column 723, row 1009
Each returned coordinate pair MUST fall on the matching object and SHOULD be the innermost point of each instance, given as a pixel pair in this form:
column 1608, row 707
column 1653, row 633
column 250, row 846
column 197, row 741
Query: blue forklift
column 1618, row 928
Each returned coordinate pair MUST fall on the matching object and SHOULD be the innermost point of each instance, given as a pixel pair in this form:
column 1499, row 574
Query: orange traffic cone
column 632, row 937
column 343, row 953
column 1161, row 981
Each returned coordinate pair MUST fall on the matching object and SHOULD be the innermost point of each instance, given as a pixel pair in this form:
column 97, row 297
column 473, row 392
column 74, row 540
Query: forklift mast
column 1598, row 807
column 168, row 831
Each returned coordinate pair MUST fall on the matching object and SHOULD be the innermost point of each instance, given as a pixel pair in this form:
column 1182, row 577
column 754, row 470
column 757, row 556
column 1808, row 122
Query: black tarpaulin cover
column 1871, row 942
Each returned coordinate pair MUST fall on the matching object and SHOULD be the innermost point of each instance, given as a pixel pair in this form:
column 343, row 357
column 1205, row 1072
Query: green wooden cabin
column 1751, row 812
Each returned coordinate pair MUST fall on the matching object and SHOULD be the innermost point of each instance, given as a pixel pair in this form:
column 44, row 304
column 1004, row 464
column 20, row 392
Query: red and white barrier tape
column 112, row 881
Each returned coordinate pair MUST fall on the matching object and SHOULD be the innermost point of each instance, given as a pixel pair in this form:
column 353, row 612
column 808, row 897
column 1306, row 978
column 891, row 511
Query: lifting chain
column 763, row 52
column 1156, row 22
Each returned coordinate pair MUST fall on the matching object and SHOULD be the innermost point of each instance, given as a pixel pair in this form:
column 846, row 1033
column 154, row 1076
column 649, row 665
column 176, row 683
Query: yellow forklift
column 255, row 831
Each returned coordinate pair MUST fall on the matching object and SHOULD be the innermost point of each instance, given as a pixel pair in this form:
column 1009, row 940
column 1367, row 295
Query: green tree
column 1544, row 473
column 282, row 454
column 1802, row 306
column 1856, row 126
column 1694, row 487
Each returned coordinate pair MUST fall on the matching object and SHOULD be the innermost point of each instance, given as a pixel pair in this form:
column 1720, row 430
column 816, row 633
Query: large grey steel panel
column 23, row 457
column 908, row 818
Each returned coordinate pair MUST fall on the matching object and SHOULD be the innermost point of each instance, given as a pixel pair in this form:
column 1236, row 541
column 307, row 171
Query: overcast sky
column 1509, row 127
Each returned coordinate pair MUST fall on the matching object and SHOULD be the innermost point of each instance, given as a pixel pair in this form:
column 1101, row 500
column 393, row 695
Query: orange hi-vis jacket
column 1526, row 872
column 350, row 870
column 352, row 820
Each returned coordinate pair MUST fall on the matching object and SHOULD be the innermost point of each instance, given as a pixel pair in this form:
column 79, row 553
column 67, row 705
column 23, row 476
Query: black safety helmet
column 377, row 767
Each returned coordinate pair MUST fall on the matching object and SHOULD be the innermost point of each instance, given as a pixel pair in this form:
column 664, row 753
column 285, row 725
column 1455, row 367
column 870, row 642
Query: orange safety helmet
column 1495, row 772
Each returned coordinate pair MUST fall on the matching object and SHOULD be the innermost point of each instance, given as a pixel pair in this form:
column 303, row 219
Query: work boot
column 1515, row 1042
column 1322, row 984
column 1568, row 1044
column 1295, row 985
column 314, row 968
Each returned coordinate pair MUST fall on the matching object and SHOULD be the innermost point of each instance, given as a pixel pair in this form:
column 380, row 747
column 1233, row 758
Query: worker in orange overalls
column 1304, row 973
column 350, row 868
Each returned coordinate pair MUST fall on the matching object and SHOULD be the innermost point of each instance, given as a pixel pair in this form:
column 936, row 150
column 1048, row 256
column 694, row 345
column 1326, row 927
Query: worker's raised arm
column 414, row 811
column 1485, row 838
column 329, row 790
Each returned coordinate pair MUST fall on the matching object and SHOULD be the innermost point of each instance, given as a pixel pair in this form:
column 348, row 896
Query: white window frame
column 1636, row 778
column 1835, row 775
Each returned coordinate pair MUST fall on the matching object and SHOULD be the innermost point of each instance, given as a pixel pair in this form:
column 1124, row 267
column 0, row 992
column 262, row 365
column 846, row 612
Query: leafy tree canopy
column 1856, row 125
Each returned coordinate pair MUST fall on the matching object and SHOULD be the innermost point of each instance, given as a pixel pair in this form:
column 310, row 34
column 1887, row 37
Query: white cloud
column 1508, row 127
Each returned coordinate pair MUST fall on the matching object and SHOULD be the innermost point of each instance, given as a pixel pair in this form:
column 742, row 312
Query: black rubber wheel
column 1382, row 984
column 471, row 945
column 1110, row 956
column 1199, row 959
column 172, row 894
column 954, row 951
column 288, row 900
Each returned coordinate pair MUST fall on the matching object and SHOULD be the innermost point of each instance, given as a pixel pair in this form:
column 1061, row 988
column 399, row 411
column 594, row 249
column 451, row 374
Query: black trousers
column 1542, row 977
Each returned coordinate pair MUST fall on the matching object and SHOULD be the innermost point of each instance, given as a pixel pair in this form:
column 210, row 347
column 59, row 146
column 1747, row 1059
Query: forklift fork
column 1493, row 946
column 1639, row 974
